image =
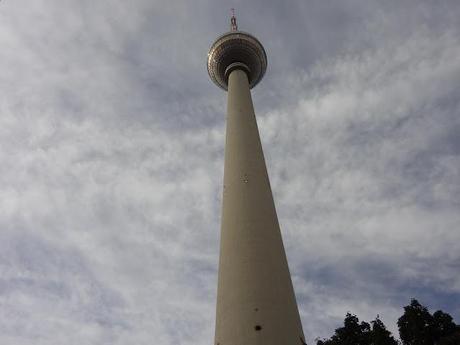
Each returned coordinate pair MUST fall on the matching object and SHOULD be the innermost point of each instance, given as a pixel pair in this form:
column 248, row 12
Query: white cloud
column 111, row 143
column 364, row 168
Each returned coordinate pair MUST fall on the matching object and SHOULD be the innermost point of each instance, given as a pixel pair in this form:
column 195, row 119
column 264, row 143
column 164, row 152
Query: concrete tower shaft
column 255, row 297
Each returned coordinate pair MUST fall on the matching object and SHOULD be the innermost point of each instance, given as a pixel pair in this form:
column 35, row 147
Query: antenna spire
column 233, row 25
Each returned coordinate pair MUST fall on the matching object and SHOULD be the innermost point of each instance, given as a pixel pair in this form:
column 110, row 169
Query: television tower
column 255, row 298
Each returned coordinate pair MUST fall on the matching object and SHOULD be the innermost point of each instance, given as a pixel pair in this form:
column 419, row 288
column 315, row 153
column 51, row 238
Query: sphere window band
column 236, row 47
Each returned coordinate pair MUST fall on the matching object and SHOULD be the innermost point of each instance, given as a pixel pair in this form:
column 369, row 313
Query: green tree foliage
column 355, row 333
column 443, row 325
column 416, row 327
column 380, row 334
column 450, row 339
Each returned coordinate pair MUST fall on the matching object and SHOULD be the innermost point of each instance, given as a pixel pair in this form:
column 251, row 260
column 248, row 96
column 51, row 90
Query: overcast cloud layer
column 111, row 152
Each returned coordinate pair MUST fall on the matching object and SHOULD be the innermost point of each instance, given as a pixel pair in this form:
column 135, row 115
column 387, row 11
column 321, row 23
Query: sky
column 112, row 148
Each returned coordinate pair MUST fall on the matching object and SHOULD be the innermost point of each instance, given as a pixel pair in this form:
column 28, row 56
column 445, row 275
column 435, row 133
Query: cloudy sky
column 111, row 162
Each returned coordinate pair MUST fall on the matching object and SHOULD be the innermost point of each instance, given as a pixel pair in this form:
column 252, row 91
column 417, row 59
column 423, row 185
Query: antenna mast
column 233, row 25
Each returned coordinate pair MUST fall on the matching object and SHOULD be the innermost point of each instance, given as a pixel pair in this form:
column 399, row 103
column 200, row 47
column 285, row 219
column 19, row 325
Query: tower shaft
column 255, row 299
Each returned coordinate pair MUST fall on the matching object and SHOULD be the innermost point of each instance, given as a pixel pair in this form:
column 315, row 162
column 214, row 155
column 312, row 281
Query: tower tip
column 233, row 25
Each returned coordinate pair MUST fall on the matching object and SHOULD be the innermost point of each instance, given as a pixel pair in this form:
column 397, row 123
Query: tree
column 416, row 325
column 445, row 330
column 443, row 325
column 380, row 335
column 451, row 339
column 352, row 333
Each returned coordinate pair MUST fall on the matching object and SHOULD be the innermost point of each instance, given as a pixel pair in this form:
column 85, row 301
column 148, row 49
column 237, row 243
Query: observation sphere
column 236, row 49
